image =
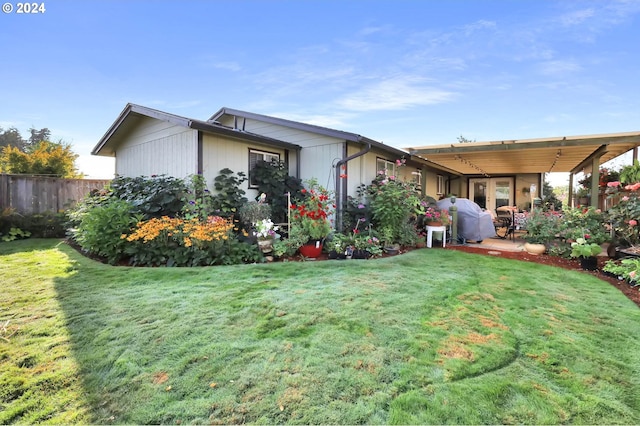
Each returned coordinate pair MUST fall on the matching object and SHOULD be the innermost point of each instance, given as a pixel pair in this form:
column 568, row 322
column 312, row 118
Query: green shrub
column 100, row 229
column 154, row 196
column 581, row 221
column 228, row 196
column 628, row 269
column 392, row 203
column 253, row 212
column 15, row 234
column 274, row 181
column 187, row 242
column 197, row 201
column 40, row 225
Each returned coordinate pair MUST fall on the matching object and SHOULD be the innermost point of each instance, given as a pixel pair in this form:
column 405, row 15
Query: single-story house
column 145, row 141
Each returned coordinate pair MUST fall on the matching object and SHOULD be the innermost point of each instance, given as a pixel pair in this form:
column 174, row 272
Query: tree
column 38, row 136
column 43, row 158
column 549, row 199
column 462, row 139
column 11, row 137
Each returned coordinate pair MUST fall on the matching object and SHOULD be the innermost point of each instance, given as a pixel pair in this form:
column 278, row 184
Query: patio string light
column 558, row 154
column 470, row 164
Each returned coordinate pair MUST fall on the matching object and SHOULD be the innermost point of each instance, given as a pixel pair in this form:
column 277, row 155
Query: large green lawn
column 432, row 336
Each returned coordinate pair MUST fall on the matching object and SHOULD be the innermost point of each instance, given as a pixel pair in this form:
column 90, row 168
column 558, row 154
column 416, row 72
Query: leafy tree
column 36, row 137
column 549, row 200
column 43, row 158
column 462, row 139
column 11, row 137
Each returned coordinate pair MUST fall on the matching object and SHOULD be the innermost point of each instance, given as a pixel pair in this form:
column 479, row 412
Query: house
column 145, row 141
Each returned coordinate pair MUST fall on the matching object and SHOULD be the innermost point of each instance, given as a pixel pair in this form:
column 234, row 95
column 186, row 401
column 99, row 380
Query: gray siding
column 156, row 147
column 220, row 152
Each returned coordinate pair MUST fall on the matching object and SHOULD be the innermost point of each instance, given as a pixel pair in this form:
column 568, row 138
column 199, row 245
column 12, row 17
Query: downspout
column 200, row 150
column 342, row 186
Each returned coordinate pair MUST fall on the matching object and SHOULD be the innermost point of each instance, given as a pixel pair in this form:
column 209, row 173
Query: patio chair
column 504, row 223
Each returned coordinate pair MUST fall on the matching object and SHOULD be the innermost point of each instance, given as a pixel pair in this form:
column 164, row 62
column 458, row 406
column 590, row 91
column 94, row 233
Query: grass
column 432, row 336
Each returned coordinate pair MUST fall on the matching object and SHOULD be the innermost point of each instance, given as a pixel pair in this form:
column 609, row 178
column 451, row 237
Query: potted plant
column 366, row 246
column 265, row 232
column 586, row 251
column 433, row 216
column 542, row 228
column 310, row 218
column 338, row 246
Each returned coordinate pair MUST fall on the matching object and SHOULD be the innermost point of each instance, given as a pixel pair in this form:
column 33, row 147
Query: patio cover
column 557, row 154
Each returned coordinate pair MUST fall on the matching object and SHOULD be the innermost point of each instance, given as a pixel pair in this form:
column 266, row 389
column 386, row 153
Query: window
column 389, row 167
column 440, row 185
column 254, row 157
column 417, row 176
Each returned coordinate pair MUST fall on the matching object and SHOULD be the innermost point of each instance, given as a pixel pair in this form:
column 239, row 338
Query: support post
column 454, row 220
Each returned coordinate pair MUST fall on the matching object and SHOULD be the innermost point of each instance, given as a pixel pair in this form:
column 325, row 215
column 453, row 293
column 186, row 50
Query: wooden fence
column 36, row 194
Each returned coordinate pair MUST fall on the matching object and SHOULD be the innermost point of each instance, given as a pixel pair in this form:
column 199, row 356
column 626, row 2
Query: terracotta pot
column 311, row 250
column 434, row 223
column 533, row 248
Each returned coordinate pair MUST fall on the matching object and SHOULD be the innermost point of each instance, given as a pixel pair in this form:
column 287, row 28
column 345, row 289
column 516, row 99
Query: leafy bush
column 101, row 227
column 628, row 269
column 630, row 174
column 40, row 225
column 542, row 226
column 228, row 197
column 14, row 234
column 169, row 241
column 154, row 196
column 197, row 201
column 583, row 221
column 392, row 203
column 273, row 180
column 624, row 216
column 290, row 245
column 253, row 212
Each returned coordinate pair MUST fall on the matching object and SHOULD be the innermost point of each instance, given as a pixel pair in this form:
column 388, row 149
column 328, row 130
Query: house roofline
column 325, row 131
column 178, row 120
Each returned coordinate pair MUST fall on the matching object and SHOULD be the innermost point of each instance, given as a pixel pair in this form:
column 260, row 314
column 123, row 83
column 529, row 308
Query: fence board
column 37, row 194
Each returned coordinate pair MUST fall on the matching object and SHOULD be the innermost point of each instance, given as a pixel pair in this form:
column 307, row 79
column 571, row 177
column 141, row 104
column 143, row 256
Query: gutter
column 341, row 185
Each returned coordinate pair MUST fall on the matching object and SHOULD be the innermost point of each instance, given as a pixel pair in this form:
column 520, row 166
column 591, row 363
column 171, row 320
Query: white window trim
column 387, row 165
column 440, row 185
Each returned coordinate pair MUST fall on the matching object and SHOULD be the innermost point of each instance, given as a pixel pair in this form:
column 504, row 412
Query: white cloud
column 478, row 26
column 395, row 94
column 559, row 67
column 576, row 17
column 228, row 66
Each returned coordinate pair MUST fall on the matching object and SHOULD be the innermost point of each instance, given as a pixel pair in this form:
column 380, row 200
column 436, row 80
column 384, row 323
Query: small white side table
column 432, row 229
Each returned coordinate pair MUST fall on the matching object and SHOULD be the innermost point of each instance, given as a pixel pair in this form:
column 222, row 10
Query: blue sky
column 406, row 73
